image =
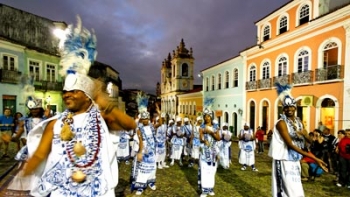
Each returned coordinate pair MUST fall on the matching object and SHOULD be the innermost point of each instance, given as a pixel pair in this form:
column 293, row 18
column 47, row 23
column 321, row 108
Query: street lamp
column 240, row 111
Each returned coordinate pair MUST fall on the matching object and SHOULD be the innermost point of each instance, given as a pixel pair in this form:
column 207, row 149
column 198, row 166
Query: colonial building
column 176, row 78
column 225, row 83
column 28, row 47
column 305, row 43
column 191, row 103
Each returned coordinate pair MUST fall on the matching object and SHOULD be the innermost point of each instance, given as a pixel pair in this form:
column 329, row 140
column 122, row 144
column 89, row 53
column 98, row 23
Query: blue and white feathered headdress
column 28, row 92
column 78, row 52
column 284, row 95
column 142, row 103
column 208, row 103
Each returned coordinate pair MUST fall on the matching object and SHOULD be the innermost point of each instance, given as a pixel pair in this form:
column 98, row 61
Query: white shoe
column 172, row 163
column 165, row 166
column 243, row 168
column 160, row 167
column 255, row 170
column 139, row 192
column 211, row 193
column 203, row 195
column 153, row 187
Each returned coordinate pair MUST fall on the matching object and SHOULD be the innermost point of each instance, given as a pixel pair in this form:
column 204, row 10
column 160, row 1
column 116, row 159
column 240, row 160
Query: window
column 303, row 61
column 304, row 14
column 330, row 54
column 235, row 77
column 219, row 81
column 252, row 73
column 185, row 70
column 8, row 62
column 207, row 84
column 282, row 66
column 266, row 33
column 212, row 83
column 227, row 79
column 50, row 72
column 283, row 25
column 34, row 69
column 173, row 70
column 266, row 70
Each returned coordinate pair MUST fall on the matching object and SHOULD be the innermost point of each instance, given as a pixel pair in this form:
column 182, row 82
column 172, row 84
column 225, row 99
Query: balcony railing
column 251, row 85
column 328, row 73
column 283, row 80
column 48, row 86
column 302, row 77
column 9, row 76
column 265, row 83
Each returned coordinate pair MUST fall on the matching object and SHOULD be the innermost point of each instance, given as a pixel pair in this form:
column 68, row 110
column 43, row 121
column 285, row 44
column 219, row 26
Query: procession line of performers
column 203, row 143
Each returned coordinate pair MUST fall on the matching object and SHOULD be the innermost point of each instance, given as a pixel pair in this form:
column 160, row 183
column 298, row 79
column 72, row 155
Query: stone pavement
column 7, row 164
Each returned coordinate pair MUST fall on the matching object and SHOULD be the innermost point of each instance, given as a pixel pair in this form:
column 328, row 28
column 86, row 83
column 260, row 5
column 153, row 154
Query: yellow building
column 191, row 104
column 303, row 43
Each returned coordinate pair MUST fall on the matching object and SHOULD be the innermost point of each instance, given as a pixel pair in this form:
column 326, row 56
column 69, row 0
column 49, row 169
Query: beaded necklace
column 87, row 159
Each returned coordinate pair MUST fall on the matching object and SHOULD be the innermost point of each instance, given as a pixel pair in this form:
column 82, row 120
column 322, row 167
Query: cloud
column 135, row 36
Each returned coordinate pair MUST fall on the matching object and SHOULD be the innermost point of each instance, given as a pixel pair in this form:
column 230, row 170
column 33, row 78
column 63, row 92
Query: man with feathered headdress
column 286, row 146
column 72, row 153
column 143, row 172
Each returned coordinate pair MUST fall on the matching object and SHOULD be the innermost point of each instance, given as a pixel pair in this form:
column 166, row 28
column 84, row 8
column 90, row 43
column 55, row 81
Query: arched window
column 235, row 77
column 330, row 54
column 219, row 81
column 252, row 73
column 266, row 35
column 282, row 66
column 227, row 79
column 283, row 25
column 184, row 68
column 212, row 83
column 304, row 14
column 266, row 70
column 303, row 61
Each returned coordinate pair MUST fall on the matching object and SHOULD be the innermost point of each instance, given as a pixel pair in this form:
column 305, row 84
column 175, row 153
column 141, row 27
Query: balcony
column 329, row 73
column 251, row 85
column 265, row 83
column 48, row 86
column 9, row 76
column 302, row 77
column 283, row 80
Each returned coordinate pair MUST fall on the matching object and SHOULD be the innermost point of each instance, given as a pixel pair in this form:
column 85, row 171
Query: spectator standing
column 260, row 136
column 16, row 119
column 6, row 125
column 344, row 160
column 269, row 136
